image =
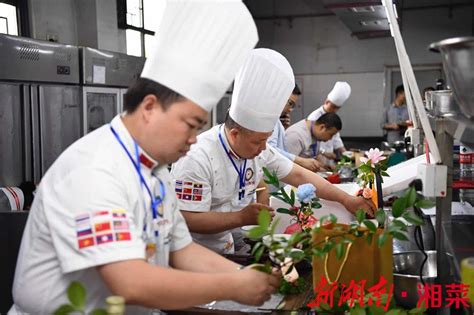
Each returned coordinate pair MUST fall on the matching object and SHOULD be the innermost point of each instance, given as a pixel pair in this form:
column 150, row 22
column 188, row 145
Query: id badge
column 157, row 246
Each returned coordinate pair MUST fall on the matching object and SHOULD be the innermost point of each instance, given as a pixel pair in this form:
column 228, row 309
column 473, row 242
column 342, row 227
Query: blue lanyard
column 155, row 202
column 240, row 172
column 313, row 145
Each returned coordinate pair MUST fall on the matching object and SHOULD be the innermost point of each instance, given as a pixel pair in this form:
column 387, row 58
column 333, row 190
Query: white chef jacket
column 335, row 142
column 90, row 210
column 206, row 180
column 300, row 141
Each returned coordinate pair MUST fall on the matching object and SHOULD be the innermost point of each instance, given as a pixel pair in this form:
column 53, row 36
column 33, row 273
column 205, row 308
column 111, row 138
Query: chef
column 305, row 137
column 334, row 101
column 105, row 212
column 216, row 180
column 277, row 139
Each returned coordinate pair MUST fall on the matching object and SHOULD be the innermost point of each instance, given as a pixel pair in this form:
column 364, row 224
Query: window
column 8, row 20
column 137, row 17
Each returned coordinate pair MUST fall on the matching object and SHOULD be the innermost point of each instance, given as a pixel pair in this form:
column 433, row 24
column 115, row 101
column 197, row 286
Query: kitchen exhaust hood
column 365, row 19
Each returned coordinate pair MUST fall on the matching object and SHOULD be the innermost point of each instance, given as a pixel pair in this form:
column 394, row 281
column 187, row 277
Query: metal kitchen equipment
column 105, row 77
column 406, row 275
column 40, row 106
column 441, row 103
column 458, row 61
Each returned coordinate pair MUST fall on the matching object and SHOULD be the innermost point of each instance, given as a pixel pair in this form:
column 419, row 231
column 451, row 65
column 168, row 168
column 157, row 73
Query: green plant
column 76, row 294
column 300, row 245
column 371, row 165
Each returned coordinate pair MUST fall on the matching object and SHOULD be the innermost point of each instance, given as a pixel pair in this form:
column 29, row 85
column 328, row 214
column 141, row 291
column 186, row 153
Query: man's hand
column 249, row 214
column 353, row 203
column 255, row 287
column 310, row 164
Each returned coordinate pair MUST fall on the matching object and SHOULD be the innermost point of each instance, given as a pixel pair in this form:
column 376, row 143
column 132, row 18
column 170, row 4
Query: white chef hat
column 199, row 46
column 261, row 89
column 339, row 93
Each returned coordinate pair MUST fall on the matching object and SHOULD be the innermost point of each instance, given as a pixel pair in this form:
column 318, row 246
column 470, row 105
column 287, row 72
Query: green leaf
column 413, row 218
column 365, row 168
column 370, row 225
column 418, row 310
column 287, row 198
column 264, row 219
column 255, row 248
column 274, row 225
column 399, row 235
column 297, row 255
column 99, row 311
column 411, row 197
column 332, row 218
column 360, row 215
column 339, row 250
column 292, row 197
column 77, row 295
column 399, row 207
column 381, row 239
column 258, row 253
column 257, row 232
column 380, row 217
column 369, row 238
column 398, row 223
column 295, row 238
column 394, row 312
column 384, row 174
column 315, row 204
column 269, row 176
column 64, row 309
column 283, row 210
column 424, row 204
column 357, row 311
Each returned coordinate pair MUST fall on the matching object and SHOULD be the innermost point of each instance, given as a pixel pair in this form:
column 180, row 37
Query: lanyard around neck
column 313, row 145
column 155, row 202
column 241, row 171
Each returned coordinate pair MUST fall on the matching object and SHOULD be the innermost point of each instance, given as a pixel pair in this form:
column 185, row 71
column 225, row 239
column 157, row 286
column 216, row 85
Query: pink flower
column 374, row 155
column 367, row 193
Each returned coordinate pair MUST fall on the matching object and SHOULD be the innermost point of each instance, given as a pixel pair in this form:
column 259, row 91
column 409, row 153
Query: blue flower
column 306, row 192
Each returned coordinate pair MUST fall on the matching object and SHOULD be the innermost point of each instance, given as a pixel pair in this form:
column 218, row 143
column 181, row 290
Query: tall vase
column 378, row 182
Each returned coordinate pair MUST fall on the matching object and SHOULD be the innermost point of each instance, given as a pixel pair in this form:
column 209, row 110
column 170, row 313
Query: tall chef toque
column 339, row 93
column 199, row 46
column 261, row 89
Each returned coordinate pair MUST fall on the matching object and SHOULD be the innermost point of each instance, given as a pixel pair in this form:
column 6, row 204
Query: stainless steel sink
column 406, row 275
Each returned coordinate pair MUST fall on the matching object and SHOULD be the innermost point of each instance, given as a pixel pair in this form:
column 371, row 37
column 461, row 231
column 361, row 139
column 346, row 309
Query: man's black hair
column 399, row 89
column 330, row 120
column 296, row 90
column 229, row 123
column 143, row 87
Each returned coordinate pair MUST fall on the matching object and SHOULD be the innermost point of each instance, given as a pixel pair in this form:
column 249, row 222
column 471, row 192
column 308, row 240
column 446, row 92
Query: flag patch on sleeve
column 102, row 227
column 189, row 191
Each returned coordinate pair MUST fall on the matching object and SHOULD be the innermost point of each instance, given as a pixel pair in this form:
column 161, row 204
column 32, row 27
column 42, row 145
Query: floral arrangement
column 300, row 245
column 373, row 167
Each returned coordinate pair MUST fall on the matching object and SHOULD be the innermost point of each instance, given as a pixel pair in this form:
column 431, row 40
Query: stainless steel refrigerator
column 40, row 106
column 105, row 78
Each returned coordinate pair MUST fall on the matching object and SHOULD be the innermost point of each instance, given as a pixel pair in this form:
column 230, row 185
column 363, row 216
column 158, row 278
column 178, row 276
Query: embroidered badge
column 248, row 174
column 189, row 191
column 101, row 227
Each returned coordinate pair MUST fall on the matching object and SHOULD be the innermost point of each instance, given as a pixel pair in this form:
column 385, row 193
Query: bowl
column 458, row 62
column 406, row 278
